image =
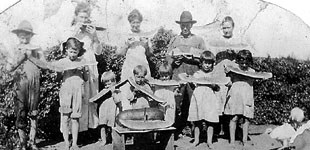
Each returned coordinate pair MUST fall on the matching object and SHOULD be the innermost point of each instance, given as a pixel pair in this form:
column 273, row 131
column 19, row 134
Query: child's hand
column 144, row 39
column 226, row 70
column 80, row 68
column 189, row 57
column 229, row 84
column 90, row 29
column 112, row 88
column 215, row 87
column 178, row 60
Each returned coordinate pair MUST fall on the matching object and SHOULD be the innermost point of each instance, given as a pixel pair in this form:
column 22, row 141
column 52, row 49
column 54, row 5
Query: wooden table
column 157, row 139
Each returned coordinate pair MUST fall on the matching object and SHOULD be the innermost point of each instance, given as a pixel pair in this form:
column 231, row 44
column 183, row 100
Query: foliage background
column 274, row 98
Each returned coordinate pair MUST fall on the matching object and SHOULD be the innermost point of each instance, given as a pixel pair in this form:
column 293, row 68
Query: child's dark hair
column 207, row 56
column 74, row 44
column 165, row 68
column 139, row 69
column 227, row 54
column 245, row 55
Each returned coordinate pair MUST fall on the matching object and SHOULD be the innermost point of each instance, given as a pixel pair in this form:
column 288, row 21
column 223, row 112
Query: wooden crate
column 158, row 139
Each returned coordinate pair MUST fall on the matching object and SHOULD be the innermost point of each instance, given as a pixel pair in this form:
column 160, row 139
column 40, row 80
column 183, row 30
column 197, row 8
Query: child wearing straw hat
column 28, row 91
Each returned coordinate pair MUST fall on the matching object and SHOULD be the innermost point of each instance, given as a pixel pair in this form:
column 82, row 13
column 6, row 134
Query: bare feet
column 195, row 143
column 211, row 146
column 103, row 143
column 74, row 147
column 34, row 147
column 67, row 147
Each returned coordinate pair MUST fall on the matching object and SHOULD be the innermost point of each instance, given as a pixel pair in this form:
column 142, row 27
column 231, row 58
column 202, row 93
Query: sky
column 298, row 7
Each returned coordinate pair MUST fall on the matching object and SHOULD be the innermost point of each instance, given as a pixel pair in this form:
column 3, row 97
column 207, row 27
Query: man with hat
column 184, row 42
column 28, row 91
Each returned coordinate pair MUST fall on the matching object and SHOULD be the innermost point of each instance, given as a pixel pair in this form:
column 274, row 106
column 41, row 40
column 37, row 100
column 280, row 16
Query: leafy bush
column 8, row 134
column 289, row 88
column 49, row 117
column 159, row 42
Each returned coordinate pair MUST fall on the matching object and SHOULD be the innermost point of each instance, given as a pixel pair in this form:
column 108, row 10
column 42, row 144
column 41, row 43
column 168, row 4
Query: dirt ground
column 258, row 141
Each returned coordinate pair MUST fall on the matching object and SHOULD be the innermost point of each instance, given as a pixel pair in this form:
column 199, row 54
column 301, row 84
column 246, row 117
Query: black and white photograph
column 155, row 75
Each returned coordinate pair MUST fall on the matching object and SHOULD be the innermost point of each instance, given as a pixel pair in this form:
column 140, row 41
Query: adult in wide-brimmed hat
column 24, row 26
column 185, row 43
column 186, row 17
column 186, row 23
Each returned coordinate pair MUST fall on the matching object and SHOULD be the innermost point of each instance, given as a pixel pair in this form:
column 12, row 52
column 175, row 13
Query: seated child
column 302, row 142
column 108, row 108
column 133, row 98
column 286, row 133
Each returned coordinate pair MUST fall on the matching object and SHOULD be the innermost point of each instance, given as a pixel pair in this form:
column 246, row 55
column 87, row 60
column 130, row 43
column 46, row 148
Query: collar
column 190, row 35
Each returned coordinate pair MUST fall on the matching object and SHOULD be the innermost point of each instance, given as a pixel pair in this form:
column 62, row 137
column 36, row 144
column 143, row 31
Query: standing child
column 28, row 92
column 108, row 108
column 72, row 91
column 204, row 103
column 240, row 98
column 167, row 92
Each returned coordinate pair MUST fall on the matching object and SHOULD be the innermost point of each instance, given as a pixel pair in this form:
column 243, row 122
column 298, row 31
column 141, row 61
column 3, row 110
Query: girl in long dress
column 240, row 96
column 136, row 47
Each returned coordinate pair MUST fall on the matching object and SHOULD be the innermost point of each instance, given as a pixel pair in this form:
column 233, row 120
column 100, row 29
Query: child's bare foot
column 67, row 147
column 211, row 146
column 34, row 147
column 103, row 143
column 195, row 143
column 74, row 147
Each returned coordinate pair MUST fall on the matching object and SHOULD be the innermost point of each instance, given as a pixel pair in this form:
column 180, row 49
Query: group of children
column 204, row 104
column 205, row 107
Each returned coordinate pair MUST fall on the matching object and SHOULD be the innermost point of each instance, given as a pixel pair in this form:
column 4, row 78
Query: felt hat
column 186, row 17
column 24, row 26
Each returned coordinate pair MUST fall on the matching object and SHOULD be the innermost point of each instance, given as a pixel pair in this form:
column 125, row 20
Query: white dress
column 91, row 89
column 134, row 56
column 204, row 103
column 167, row 94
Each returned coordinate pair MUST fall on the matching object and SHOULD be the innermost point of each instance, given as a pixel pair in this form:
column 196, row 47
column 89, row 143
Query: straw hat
column 24, row 26
column 186, row 17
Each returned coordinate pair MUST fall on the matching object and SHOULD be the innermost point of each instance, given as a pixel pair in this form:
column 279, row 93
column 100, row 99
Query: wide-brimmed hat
column 24, row 26
column 186, row 17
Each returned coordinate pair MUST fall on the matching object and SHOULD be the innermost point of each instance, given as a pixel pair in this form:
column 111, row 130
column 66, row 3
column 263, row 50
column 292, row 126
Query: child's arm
column 215, row 87
column 85, row 71
column 117, row 99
